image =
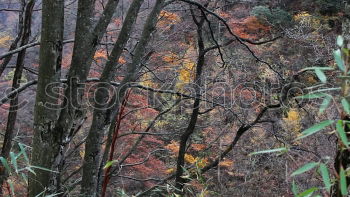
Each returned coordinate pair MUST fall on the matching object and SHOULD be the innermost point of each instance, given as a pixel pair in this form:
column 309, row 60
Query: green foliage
column 343, row 69
column 305, row 168
column 276, row 17
column 270, row 151
column 316, row 128
column 325, row 176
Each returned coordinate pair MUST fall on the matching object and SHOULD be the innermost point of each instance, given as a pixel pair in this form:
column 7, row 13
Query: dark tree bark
column 54, row 134
column 195, row 112
column 45, row 113
column 101, row 118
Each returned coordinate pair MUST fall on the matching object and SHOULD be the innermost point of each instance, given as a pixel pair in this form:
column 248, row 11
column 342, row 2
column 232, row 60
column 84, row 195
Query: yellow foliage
column 190, row 159
column 82, row 153
column 293, row 115
column 173, row 147
column 171, row 58
column 292, row 120
column 226, row 163
column 202, row 162
column 146, row 80
column 170, row 170
column 4, row 40
column 186, row 74
column 304, row 18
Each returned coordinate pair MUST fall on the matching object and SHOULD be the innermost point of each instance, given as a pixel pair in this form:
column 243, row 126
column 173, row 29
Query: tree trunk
column 193, row 120
column 45, row 143
column 53, row 134
column 99, row 124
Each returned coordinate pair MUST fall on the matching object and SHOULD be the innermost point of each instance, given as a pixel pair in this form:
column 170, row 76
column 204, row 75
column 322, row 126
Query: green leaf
column 325, row 177
column 305, row 168
column 23, row 151
column 343, row 186
column 110, row 163
column 269, row 151
column 346, row 105
column 295, row 189
column 41, row 168
column 14, row 161
column 30, row 170
column 24, row 178
column 321, row 75
column 52, row 195
column 11, row 187
column 325, row 104
column 317, row 67
column 338, row 59
column 340, row 41
column 312, row 96
column 308, row 192
column 342, row 134
column 315, row 128
column 5, row 164
column 325, row 90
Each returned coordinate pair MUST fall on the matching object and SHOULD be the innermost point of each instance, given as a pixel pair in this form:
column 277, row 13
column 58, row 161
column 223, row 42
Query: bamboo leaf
column 314, row 129
column 340, row 41
column 326, row 101
column 45, row 169
column 12, row 188
column 312, row 96
column 269, row 151
column 305, row 168
column 343, row 186
column 308, row 192
column 23, row 151
column 321, row 75
column 14, row 161
column 31, row 170
column 295, row 189
column 345, row 105
column 338, row 59
column 5, row 164
column 342, row 134
column 325, row 177
column 109, row 164
column 317, row 67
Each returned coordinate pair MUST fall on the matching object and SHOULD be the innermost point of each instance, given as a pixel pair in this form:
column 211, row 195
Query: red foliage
column 249, row 28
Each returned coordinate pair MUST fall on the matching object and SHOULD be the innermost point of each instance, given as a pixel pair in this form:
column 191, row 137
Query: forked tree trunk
column 52, row 133
column 93, row 142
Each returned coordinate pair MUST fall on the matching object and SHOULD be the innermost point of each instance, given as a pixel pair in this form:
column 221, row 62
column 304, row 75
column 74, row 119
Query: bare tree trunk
column 102, row 118
column 46, row 104
column 16, row 81
column 193, row 120
column 53, row 134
